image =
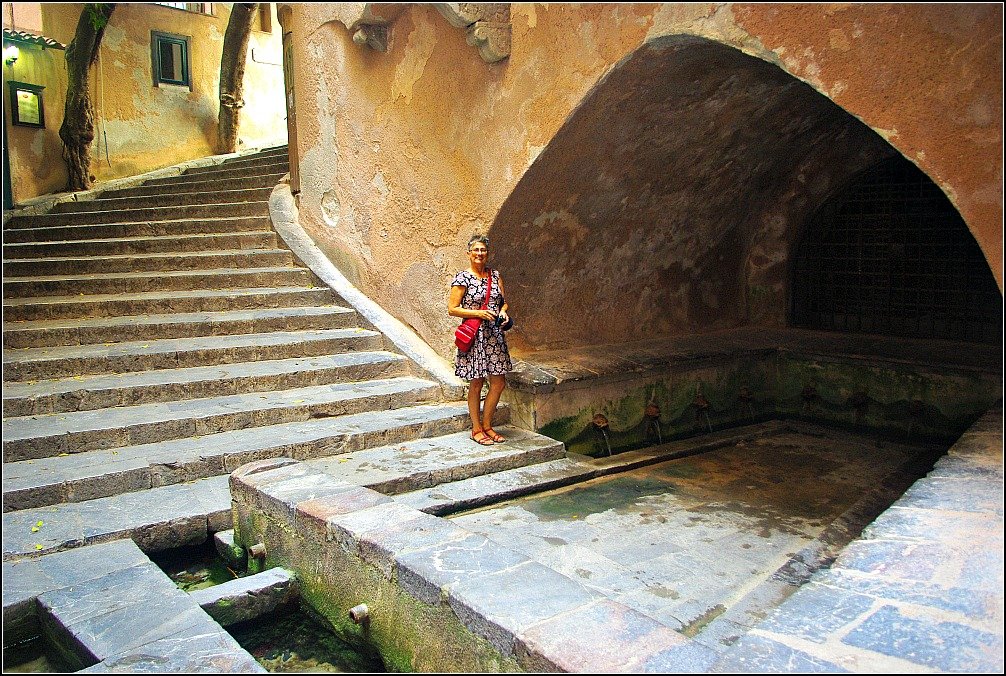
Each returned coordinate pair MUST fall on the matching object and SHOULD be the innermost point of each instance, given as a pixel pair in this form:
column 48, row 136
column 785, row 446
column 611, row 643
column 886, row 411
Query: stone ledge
column 549, row 371
column 247, row 598
column 498, row 595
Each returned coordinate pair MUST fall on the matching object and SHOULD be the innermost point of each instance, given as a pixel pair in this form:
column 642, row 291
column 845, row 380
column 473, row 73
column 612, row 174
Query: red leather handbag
column 464, row 335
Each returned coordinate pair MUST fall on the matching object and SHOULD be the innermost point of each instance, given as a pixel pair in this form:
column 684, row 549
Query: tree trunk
column 232, row 74
column 77, row 130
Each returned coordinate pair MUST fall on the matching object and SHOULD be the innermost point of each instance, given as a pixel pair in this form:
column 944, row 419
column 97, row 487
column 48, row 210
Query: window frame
column 206, row 11
column 157, row 38
column 14, row 87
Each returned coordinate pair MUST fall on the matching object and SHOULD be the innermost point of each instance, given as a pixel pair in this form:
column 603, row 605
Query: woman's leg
column 496, row 386
column 474, row 397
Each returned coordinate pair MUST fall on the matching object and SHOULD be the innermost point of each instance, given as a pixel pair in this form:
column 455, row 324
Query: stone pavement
column 921, row 590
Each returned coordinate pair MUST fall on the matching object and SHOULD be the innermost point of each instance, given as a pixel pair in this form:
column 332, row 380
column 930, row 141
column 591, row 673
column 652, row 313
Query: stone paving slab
column 427, row 462
column 82, row 393
column 920, row 590
column 246, row 598
column 499, row 606
column 137, row 611
column 491, row 488
column 599, row 637
column 428, row 572
column 157, row 519
column 95, row 474
column 26, row 579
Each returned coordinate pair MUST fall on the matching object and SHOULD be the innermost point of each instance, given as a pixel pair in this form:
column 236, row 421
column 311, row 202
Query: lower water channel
column 293, row 640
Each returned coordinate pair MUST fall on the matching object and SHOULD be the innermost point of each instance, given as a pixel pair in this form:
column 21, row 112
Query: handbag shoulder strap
column 489, row 288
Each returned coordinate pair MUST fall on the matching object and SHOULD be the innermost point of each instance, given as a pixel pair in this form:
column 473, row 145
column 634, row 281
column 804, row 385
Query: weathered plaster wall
column 148, row 127
column 405, row 153
column 36, row 155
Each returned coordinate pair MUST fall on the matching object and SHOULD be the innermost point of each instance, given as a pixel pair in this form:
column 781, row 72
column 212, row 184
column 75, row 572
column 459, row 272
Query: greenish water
column 295, row 642
column 617, row 493
column 31, row 657
column 198, row 567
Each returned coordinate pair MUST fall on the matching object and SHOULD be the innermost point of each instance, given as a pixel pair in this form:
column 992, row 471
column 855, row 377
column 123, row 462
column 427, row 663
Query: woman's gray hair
column 478, row 238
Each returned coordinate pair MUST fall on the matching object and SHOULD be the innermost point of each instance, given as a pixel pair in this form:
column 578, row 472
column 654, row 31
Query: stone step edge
column 576, row 468
column 201, row 508
column 134, row 348
column 525, row 449
column 160, row 294
column 33, row 440
column 139, row 468
column 221, row 220
column 133, row 239
column 162, row 319
column 154, row 255
column 194, row 272
column 165, row 383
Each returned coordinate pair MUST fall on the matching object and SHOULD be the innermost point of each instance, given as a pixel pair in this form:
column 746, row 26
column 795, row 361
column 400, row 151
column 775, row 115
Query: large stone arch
column 667, row 202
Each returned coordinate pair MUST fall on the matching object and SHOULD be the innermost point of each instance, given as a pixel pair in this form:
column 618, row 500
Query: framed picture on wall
column 26, row 105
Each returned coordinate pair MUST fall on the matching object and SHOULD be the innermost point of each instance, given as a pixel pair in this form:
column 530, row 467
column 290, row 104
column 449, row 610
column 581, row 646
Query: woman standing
column 488, row 356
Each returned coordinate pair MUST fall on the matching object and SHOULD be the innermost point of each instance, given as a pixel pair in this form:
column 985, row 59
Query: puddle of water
column 620, row 492
column 295, row 642
column 197, row 567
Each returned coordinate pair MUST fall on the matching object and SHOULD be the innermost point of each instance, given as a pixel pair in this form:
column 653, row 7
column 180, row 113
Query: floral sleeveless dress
column 489, row 355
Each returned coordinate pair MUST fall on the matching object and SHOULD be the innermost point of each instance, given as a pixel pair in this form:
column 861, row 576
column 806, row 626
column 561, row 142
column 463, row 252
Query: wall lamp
column 10, row 54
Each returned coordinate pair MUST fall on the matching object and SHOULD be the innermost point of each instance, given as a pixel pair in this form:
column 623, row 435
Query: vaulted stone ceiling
column 668, row 201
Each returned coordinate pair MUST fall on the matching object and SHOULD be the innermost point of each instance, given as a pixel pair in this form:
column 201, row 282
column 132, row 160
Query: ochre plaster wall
column 404, row 154
column 147, row 126
column 36, row 155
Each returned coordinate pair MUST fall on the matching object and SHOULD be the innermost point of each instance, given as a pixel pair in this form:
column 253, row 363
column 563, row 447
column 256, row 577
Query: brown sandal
column 485, row 439
column 494, row 435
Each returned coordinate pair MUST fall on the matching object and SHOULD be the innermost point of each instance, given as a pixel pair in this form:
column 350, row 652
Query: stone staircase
column 160, row 336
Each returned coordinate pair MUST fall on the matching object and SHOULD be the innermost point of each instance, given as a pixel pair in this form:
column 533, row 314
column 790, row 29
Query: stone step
column 229, row 171
column 42, row 436
column 263, row 239
column 221, row 174
column 424, row 463
column 195, row 211
column 155, row 262
column 51, row 333
column 137, row 282
column 192, row 186
column 161, row 302
column 157, row 519
column 96, row 474
column 256, row 159
column 141, row 229
column 282, row 152
column 224, row 194
column 87, row 393
column 27, row 364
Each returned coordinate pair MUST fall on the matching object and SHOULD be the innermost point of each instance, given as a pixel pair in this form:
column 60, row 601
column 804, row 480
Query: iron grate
column 891, row 255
